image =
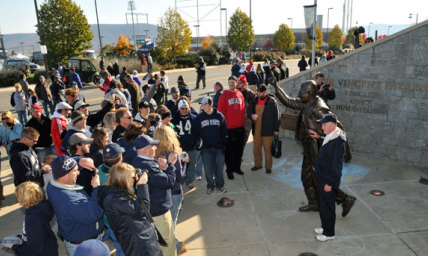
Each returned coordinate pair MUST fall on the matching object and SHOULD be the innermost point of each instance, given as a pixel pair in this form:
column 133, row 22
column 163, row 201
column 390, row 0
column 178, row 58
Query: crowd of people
column 118, row 174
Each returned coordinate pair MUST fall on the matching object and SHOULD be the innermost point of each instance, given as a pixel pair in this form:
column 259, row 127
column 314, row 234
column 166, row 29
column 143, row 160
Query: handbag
column 276, row 147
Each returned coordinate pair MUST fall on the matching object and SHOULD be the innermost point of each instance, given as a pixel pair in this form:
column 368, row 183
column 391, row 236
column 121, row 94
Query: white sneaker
column 318, row 231
column 198, row 178
column 323, row 238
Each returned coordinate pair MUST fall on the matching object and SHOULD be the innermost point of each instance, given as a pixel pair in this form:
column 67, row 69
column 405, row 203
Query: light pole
column 131, row 7
column 197, row 34
column 225, row 19
column 410, row 17
column 98, row 25
column 368, row 33
column 291, row 23
column 328, row 20
column 388, row 29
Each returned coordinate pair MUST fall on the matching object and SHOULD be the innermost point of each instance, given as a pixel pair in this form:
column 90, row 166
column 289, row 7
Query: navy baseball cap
column 143, row 141
column 62, row 165
column 92, row 247
column 112, row 151
column 328, row 118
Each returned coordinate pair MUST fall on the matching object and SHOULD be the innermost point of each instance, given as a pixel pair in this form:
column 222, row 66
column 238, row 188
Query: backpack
column 12, row 99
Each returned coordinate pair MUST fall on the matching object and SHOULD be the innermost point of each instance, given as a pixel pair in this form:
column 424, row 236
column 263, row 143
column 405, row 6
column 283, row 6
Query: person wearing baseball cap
column 328, row 171
column 78, row 215
column 112, row 154
column 264, row 113
column 232, row 105
column 162, row 179
column 59, row 124
column 79, row 148
column 42, row 124
column 210, row 127
column 77, row 124
column 143, row 112
column 171, row 104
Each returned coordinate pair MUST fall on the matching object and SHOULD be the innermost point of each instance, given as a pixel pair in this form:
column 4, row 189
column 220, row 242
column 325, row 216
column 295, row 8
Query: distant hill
column 109, row 33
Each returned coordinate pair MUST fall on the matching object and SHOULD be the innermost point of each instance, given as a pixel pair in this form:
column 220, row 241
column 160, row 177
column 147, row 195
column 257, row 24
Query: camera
column 139, row 173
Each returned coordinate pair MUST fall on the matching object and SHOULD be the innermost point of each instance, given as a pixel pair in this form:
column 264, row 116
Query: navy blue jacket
column 38, row 238
column 186, row 138
column 78, row 215
column 235, row 70
column 170, row 104
column 24, row 164
column 216, row 98
column 130, row 151
column 135, row 233
column 211, row 129
column 329, row 162
column 160, row 184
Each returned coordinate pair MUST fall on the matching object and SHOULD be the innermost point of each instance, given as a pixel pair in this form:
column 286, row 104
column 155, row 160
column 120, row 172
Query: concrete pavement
column 265, row 219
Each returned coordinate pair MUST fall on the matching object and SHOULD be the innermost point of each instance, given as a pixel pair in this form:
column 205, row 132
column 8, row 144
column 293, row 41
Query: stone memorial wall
column 381, row 95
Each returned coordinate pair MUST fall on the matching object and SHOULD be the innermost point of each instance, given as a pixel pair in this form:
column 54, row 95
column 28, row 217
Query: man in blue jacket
column 78, row 215
column 210, row 126
column 328, row 171
column 162, row 179
column 74, row 77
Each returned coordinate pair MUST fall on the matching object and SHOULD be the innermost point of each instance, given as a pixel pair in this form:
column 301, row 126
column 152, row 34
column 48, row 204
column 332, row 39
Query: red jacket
column 106, row 86
column 232, row 106
column 59, row 124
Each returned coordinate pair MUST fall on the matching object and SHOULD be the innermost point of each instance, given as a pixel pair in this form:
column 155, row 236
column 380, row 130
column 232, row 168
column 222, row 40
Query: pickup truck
column 84, row 67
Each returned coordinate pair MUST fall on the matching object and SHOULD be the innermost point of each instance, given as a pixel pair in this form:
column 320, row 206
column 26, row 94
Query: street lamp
column 225, row 18
column 98, row 25
column 291, row 23
column 197, row 34
column 368, row 33
column 328, row 20
column 388, row 29
column 410, row 17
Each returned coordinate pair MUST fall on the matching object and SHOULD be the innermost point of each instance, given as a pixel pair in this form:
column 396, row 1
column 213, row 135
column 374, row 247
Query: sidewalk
column 265, row 219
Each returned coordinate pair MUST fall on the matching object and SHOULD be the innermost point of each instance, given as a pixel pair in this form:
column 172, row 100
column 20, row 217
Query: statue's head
column 308, row 91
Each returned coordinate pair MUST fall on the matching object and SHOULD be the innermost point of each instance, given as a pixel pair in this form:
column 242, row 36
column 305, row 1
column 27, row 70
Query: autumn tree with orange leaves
column 208, row 41
column 123, row 46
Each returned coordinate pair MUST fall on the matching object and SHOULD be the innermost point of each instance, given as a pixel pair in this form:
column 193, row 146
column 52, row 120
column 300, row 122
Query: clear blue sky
column 18, row 16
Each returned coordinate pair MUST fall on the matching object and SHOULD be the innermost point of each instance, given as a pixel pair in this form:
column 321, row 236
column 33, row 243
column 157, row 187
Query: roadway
column 220, row 73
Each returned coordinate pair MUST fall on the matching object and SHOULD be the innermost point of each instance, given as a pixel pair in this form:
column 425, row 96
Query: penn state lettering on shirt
column 232, row 101
column 209, row 122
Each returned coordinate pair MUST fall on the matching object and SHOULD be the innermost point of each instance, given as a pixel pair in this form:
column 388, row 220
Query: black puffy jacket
column 135, row 233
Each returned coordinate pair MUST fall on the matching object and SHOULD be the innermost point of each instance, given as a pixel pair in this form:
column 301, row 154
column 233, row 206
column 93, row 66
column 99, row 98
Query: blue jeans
column 214, row 165
column 190, row 171
column 199, row 164
column 42, row 152
column 113, row 240
column 198, row 79
column 22, row 116
column 45, row 107
column 175, row 210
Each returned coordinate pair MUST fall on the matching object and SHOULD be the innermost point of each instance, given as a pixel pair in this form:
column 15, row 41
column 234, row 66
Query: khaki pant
column 165, row 226
column 261, row 141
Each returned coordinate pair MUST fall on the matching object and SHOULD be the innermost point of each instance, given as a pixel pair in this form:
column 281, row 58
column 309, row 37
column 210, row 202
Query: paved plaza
column 265, row 219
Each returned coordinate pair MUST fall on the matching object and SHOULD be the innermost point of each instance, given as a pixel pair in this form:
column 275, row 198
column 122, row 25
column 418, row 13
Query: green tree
column 174, row 35
column 318, row 39
column 240, row 36
column 283, row 38
column 64, row 30
column 335, row 37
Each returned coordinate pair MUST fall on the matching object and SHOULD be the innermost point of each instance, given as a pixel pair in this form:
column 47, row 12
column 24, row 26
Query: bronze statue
column 312, row 108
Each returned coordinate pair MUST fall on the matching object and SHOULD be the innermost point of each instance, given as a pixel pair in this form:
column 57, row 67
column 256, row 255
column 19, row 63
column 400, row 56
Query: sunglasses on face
column 128, row 117
column 5, row 118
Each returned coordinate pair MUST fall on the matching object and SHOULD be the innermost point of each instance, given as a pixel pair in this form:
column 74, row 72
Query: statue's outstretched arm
column 286, row 100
